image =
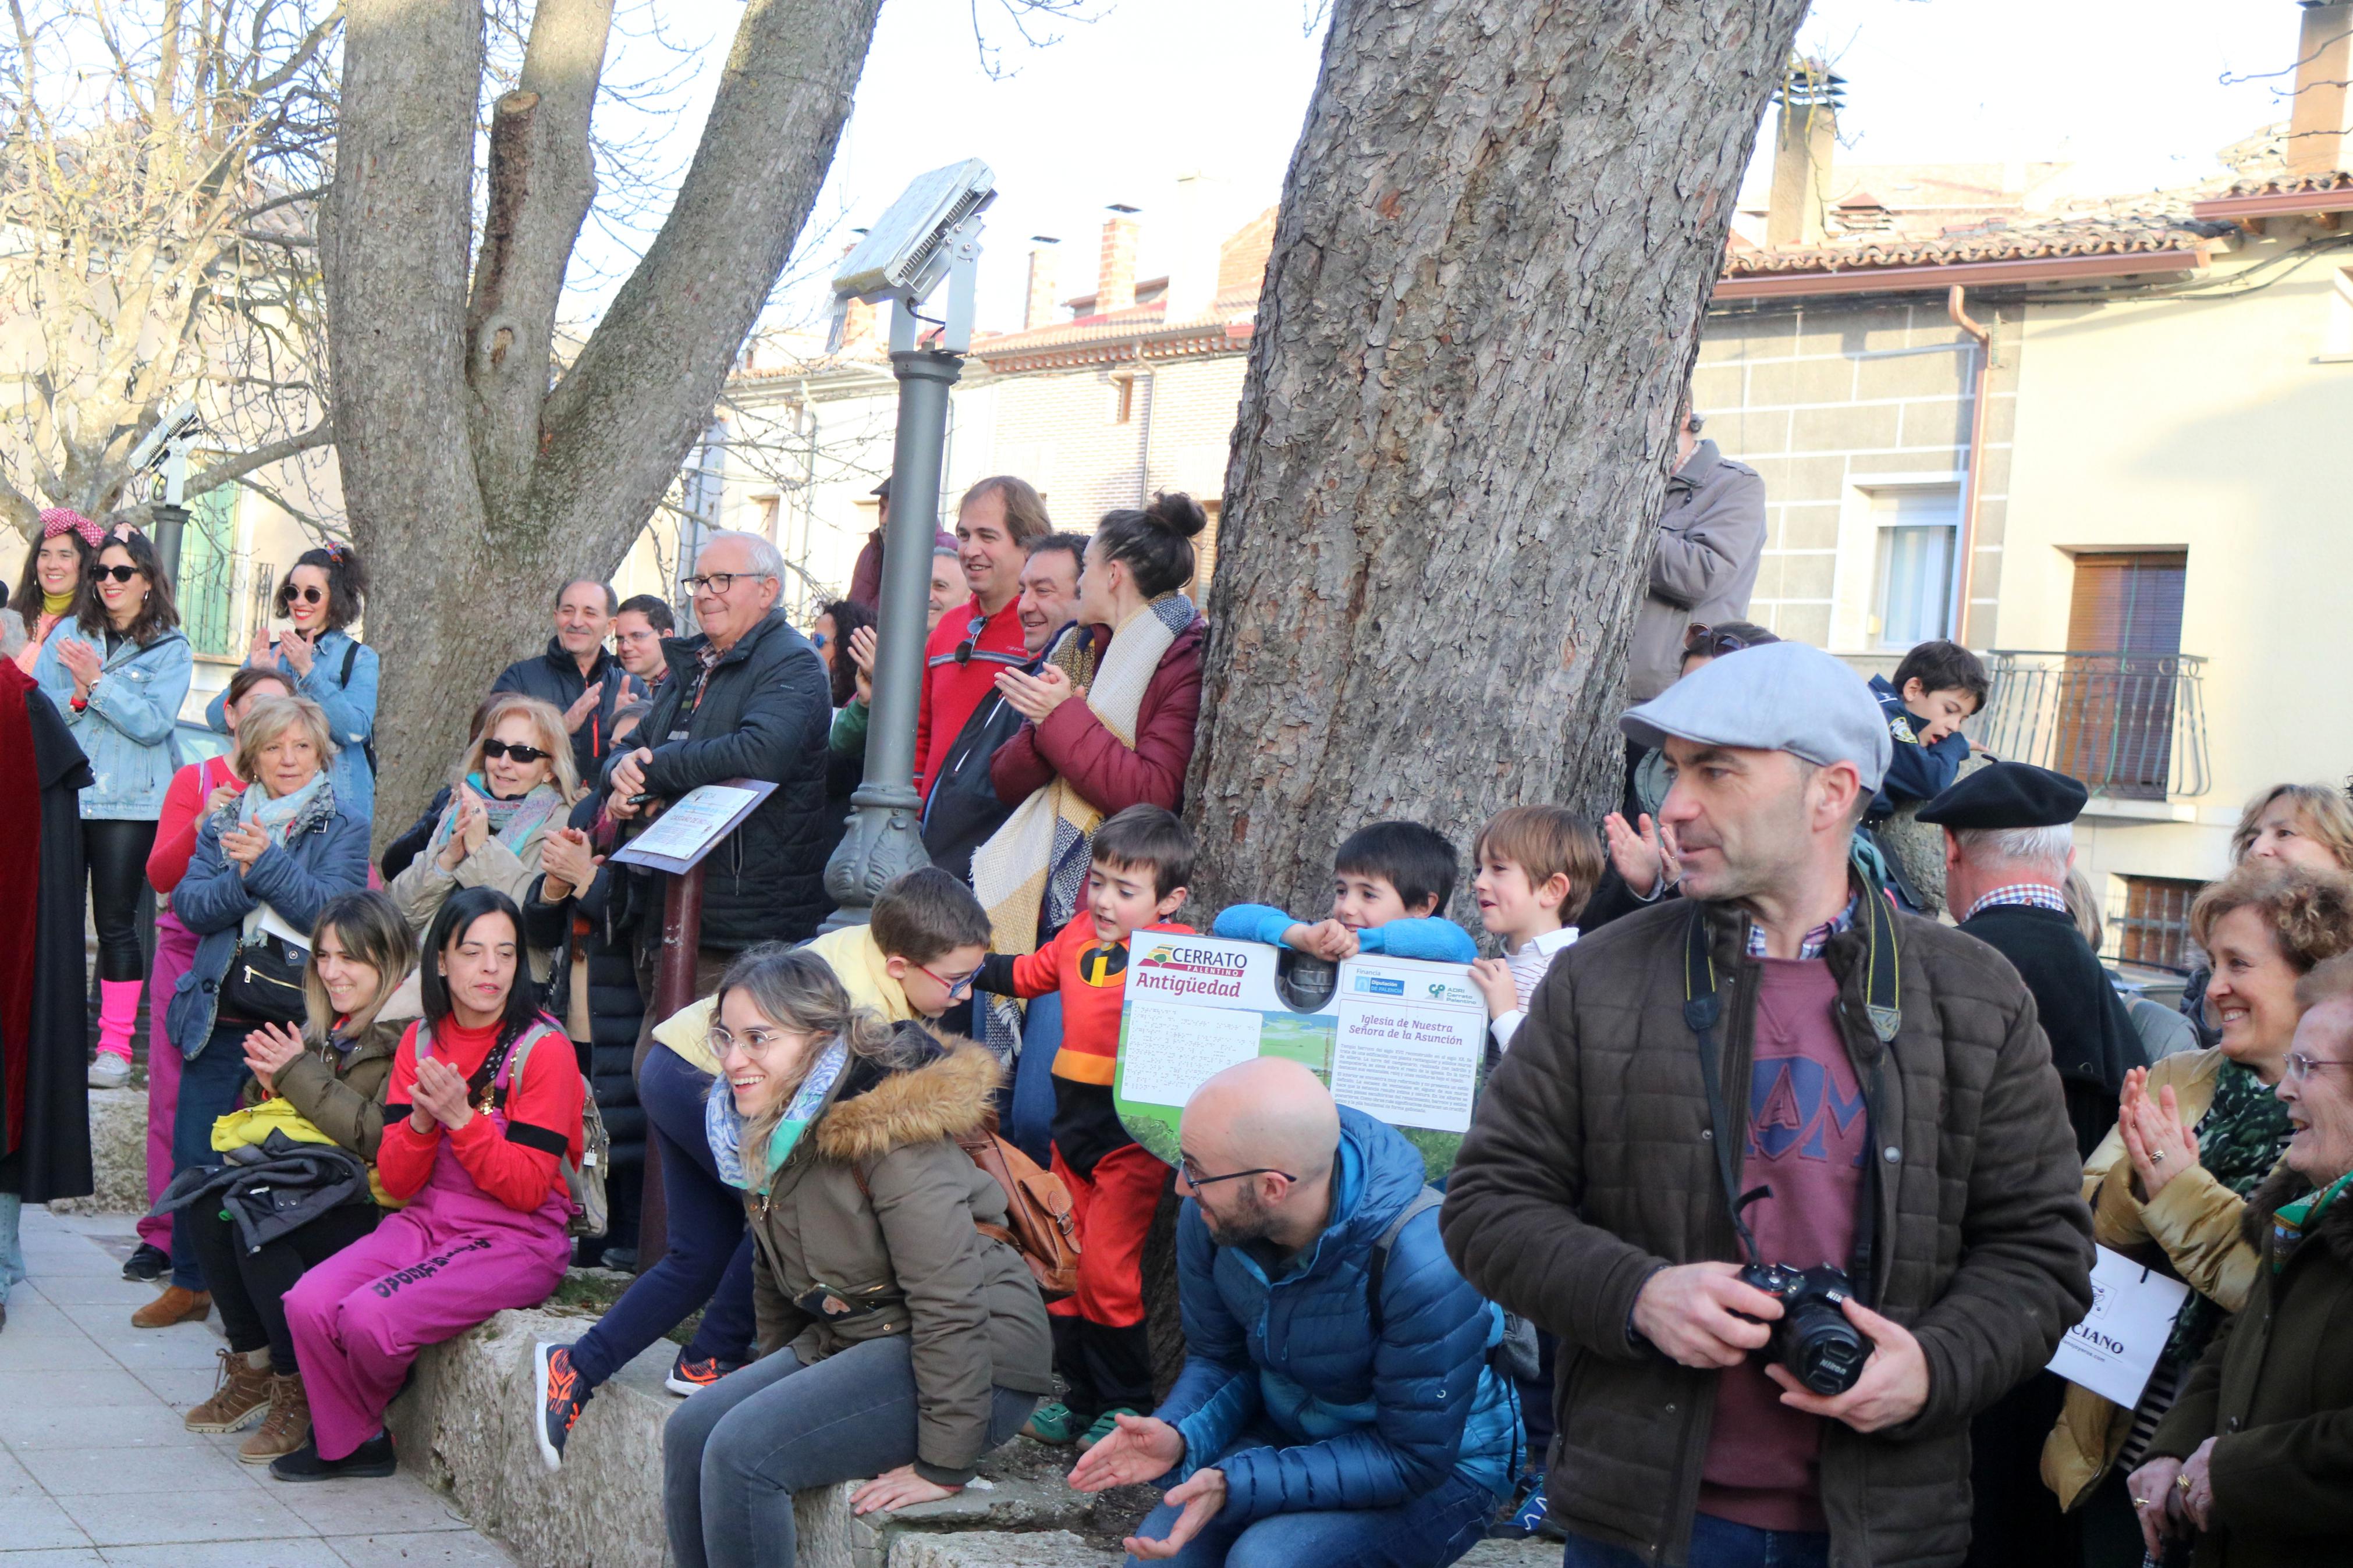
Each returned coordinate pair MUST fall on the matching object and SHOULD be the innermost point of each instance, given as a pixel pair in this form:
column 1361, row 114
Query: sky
column 1116, row 108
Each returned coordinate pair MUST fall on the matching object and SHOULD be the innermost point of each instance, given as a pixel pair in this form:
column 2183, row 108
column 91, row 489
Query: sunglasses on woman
column 120, row 573
column 308, row 595
column 514, row 752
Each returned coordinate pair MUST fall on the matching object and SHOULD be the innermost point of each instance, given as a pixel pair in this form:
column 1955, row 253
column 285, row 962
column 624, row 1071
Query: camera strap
column 1703, row 991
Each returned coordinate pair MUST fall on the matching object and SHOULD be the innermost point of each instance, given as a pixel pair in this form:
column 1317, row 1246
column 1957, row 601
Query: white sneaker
column 108, row 1071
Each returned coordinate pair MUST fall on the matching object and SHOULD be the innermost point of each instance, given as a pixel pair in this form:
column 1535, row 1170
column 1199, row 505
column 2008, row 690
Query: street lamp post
column 931, row 232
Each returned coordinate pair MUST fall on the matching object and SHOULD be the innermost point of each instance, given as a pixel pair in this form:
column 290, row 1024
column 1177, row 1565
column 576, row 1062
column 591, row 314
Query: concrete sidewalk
column 96, row 1469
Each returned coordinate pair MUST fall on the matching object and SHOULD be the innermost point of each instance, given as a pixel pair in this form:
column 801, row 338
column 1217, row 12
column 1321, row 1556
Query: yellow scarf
column 57, row 604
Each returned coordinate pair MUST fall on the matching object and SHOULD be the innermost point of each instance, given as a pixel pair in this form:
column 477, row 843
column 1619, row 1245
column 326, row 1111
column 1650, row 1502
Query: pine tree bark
column 476, row 478
column 1499, row 233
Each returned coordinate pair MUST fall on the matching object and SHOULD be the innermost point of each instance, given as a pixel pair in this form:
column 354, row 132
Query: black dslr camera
column 1813, row 1338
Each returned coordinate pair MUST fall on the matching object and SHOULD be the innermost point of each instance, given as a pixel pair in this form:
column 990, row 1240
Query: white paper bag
column 2113, row 1350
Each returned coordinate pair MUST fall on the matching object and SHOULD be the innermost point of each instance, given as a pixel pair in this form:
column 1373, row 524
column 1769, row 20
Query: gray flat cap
column 1779, row 697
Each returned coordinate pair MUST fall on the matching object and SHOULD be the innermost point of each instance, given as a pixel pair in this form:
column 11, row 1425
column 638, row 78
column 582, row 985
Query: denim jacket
column 126, row 730
column 324, row 856
column 350, row 710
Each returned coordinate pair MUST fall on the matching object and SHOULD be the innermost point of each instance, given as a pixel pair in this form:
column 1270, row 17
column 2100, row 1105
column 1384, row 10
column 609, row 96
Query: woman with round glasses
column 509, row 795
column 118, row 671
column 2196, row 1134
column 320, row 598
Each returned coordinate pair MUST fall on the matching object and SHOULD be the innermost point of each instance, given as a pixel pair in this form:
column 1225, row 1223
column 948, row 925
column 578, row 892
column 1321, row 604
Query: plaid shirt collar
column 2034, row 895
column 1810, row 945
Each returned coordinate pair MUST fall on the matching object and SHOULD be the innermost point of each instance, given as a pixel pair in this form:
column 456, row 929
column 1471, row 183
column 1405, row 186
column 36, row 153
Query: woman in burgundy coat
column 1135, row 566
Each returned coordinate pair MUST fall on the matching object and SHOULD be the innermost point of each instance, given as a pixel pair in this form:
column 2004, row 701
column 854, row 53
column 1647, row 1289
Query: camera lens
column 1823, row 1350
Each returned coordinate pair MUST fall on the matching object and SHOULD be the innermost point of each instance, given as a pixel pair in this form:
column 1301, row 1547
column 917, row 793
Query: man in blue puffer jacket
column 1313, row 1424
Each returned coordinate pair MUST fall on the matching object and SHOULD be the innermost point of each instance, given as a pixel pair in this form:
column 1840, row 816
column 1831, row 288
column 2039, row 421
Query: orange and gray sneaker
column 690, row 1377
column 561, row 1397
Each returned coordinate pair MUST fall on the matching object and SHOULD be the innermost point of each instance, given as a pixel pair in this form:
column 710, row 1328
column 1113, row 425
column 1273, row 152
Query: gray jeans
column 734, row 1454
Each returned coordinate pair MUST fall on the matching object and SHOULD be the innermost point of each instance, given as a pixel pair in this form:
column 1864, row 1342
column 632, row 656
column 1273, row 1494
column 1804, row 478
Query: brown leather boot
column 177, row 1305
column 242, row 1393
column 286, row 1426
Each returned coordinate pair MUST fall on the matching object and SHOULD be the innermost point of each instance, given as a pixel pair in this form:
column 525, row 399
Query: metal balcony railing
column 2129, row 725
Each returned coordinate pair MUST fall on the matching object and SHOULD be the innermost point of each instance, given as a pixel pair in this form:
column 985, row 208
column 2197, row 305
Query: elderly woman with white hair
column 265, row 864
column 746, row 697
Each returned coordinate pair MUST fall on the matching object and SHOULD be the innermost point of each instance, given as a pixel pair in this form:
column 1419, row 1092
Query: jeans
column 12, row 1247
column 1030, row 1127
column 1427, row 1532
column 209, row 1085
column 117, row 850
column 734, row 1454
column 250, row 1287
column 709, row 1254
column 1717, row 1544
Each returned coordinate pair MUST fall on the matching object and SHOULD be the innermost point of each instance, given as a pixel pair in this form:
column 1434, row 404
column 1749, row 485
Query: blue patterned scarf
column 722, row 1124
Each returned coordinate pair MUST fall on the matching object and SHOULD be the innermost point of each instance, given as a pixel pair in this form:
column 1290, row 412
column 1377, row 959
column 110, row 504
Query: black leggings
column 117, row 850
column 250, row 1287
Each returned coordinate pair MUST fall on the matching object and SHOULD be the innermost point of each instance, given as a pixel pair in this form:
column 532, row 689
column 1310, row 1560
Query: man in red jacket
column 995, row 523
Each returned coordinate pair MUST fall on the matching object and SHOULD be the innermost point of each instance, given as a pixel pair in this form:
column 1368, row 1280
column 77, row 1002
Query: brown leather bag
column 1039, row 1222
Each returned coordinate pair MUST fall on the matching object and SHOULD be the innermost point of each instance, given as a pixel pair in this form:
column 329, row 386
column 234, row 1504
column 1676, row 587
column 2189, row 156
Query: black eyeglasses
column 120, row 573
column 720, row 582
column 1196, row 1180
column 964, row 650
column 514, row 752
column 308, row 595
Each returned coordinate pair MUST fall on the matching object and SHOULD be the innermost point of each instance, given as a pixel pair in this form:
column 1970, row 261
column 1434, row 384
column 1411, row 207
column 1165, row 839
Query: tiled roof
column 1996, row 240
column 2328, row 182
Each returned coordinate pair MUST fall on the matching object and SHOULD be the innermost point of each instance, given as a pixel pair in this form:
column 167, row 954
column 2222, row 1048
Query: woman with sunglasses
column 118, row 671
column 321, row 597
column 511, row 792
column 55, row 569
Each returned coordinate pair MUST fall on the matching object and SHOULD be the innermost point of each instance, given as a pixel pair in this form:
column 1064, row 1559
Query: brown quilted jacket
column 1590, row 1165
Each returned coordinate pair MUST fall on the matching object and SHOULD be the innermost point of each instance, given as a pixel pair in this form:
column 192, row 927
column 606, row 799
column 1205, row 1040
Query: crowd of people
column 1806, row 1104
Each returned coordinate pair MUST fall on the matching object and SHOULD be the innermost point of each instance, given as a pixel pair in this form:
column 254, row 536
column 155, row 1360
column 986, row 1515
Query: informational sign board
column 1398, row 1039
column 2114, row 1348
column 693, row 825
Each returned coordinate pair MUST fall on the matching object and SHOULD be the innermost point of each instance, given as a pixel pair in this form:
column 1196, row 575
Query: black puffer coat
column 765, row 715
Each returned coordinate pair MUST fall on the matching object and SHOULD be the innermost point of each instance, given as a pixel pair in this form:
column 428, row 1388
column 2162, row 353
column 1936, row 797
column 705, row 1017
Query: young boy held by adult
column 1537, row 866
column 1388, row 882
column 1934, row 689
column 1143, row 860
column 915, row 958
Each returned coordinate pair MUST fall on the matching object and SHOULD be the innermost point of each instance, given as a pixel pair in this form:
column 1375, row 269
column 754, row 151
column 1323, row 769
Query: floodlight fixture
column 931, row 231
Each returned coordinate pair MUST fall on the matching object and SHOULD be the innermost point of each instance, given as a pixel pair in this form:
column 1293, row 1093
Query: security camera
column 150, row 450
column 909, row 249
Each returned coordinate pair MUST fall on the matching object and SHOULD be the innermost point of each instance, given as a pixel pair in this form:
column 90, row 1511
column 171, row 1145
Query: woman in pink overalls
column 197, row 792
column 477, row 1152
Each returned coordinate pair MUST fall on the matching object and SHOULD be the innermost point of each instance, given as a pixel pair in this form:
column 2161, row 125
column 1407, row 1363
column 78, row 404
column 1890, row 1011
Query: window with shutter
column 2116, row 693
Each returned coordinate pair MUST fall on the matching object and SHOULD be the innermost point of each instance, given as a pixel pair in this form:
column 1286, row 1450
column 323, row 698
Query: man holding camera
column 1787, row 1173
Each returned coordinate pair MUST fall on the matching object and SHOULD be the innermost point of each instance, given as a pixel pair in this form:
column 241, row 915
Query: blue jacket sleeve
column 350, row 710
column 1437, row 939
column 217, row 712
column 212, row 897
column 1216, row 1397
column 145, row 711
column 1918, row 773
column 1253, row 922
column 337, row 865
column 1426, row 1370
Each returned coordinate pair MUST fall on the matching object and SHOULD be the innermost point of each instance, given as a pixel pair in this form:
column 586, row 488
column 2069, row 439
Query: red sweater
column 952, row 690
column 1111, row 777
column 1091, row 975
column 516, row 1164
column 182, row 814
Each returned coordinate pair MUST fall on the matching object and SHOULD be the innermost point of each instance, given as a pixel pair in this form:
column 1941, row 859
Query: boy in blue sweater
column 1388, row 882
column 1938, row 685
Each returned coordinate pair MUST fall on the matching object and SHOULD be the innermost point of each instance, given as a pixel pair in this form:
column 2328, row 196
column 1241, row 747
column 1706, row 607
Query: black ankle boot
column 371, row 1460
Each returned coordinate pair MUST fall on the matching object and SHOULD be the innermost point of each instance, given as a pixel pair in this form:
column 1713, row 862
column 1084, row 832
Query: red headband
column 59, row 520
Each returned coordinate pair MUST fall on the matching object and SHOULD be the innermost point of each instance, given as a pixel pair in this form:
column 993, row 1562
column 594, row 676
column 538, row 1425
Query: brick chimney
column 1115, row 273
column 2318, row 124
column 1805, row 133
column 1192, row 238
column 1038, row 310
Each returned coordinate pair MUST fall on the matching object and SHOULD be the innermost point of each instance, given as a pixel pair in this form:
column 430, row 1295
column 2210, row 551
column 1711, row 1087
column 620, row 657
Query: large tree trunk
column 1498, row 236
column 474, row 485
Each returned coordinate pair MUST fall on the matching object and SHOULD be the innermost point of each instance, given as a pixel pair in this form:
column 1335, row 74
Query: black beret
column 2007, row 795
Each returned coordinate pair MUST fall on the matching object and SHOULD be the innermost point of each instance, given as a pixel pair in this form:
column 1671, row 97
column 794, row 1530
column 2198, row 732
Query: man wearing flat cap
column 1777, row 1068
column 2008, row 840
